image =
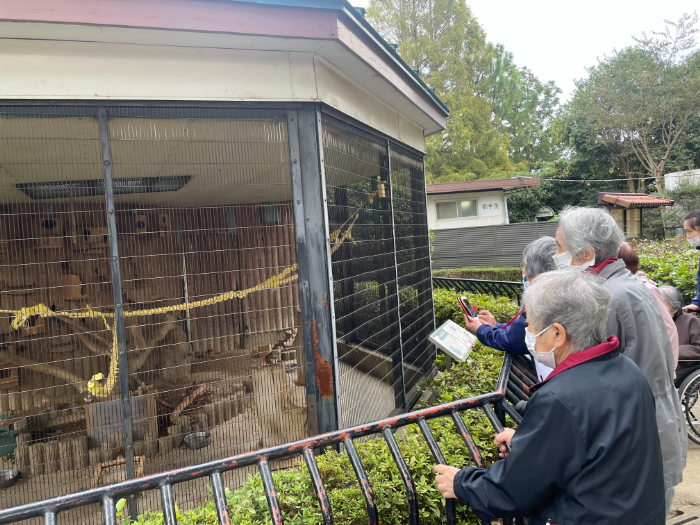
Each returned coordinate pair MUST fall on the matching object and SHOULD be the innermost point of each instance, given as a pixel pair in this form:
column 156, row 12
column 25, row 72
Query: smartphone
column 464, row 303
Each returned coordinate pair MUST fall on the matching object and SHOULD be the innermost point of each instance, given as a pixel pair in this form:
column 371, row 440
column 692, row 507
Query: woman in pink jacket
column 631, row 259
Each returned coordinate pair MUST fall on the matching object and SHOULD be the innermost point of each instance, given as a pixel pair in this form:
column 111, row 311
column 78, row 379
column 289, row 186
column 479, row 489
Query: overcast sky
column 557, row 40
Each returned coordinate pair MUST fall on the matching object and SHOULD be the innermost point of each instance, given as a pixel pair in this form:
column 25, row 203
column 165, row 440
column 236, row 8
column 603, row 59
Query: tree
column 639, row 101
column 524, row 109
column 445, row 43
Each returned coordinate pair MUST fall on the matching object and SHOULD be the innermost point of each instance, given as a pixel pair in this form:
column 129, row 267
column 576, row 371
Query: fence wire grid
column 202, row 207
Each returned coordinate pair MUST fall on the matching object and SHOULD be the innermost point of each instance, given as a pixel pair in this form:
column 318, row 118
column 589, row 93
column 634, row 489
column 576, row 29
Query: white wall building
column 672, row 180
column 454, row 205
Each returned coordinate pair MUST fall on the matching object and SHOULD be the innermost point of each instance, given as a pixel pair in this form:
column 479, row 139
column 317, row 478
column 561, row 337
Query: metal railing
column 511, row 289
column 108, row 496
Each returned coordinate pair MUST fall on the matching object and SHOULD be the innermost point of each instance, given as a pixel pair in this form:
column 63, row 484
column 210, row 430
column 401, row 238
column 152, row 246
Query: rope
column 101, row 389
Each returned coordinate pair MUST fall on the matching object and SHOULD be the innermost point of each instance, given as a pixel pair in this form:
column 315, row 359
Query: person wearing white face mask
column 510, row 337
column 691, row 226
column 587, row 450
column 591, row 239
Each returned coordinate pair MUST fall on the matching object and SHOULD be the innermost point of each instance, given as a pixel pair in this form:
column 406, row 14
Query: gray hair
column 584, row 228
column 538, row 257
column 672, row 297
column 578, row 301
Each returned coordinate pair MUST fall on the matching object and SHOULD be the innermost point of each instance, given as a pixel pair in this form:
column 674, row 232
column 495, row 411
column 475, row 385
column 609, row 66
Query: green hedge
column 672, row 261
column 483, row 274
column 447, row 307
column 248, row 506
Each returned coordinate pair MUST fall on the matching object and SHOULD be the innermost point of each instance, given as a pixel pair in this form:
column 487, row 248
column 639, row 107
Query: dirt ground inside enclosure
column 687, row 500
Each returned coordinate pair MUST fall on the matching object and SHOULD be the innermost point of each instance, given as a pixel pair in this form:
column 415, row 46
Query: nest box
column 140, row 223
column 164, row 225
column 47, row 231
column 94, row 238
column 70, row 287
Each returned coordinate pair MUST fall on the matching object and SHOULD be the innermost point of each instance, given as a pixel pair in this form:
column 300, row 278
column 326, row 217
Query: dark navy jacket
column 696, row 299
column 587, row 450
column 506, row 338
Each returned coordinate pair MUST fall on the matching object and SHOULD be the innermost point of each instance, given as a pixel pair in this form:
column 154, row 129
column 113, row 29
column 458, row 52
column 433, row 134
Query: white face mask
column 585, row 265
column 562, row 260
column 694, row 241
column 526, row 283
column 546, row 358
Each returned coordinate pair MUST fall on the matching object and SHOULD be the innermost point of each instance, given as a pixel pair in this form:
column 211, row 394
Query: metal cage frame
column 313, row 248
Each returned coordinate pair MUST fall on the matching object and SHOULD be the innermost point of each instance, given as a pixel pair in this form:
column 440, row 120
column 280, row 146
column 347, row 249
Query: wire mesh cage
column 150, row 310
column 377, row 274
column 412, row 264
column 206, row 250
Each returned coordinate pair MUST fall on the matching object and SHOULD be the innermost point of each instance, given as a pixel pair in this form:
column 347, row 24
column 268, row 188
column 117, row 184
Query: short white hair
column 584, row 228
column 672, row 297
column 576, row 300
column 538, row 256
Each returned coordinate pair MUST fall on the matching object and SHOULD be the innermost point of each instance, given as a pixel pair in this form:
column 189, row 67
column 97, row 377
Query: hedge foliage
column 672, row 261
column 482, row 274
column 248, row 506
column 447, row 307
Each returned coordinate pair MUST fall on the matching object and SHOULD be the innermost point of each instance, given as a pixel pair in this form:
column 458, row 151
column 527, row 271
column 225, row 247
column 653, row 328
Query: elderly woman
column 631, row 259
column 587, row 449
column 688, row 327
column 510, row 337
column 691, row 226
column 589, row 238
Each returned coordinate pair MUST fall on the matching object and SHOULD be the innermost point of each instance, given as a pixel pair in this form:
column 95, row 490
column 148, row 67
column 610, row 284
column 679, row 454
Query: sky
column 557, row 40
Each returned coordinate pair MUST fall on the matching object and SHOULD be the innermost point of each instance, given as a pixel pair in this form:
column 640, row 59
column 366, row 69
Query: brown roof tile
column 634, row 200
column 483, row 185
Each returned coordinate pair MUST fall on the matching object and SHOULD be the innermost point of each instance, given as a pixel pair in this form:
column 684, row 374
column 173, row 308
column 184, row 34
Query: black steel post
column 120, row 328
column 219, row 493
column 365, row 487
column 390, row 195
column 314, row 259
column 410, row 485
column 323, row 501
column 439, row 458
column 270, row 492
column 167, row 500
column 308, row 363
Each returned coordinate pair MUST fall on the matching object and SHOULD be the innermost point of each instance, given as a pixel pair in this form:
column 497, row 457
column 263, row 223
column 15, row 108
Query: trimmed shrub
column 248, row 505
column 447, row 307
column 672, row 261
column 482, row 274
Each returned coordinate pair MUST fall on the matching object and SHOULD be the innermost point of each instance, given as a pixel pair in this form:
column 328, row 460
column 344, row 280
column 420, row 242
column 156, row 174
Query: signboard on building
column 490, row 206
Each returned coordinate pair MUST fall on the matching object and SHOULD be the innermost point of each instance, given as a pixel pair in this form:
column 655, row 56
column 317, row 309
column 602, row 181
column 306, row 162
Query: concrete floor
column 688, row 492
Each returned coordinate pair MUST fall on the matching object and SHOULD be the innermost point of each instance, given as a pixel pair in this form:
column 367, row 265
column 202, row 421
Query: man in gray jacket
column 590, row 239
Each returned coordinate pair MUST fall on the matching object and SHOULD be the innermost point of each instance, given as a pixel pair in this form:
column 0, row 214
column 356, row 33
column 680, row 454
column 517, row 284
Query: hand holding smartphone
column 464, row 303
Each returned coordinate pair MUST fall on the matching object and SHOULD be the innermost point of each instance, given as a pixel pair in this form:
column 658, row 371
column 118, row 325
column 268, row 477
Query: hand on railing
column 502, row 441
column 445, row 479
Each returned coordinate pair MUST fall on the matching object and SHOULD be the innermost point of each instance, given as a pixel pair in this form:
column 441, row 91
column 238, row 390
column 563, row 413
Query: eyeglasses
column 522, row 266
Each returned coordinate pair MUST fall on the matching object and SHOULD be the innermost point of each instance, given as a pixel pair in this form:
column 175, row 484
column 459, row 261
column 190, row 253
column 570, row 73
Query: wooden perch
column 186, row 402
column 84, row 337
column 146, row 347
column 56, row 371
column 288, row 341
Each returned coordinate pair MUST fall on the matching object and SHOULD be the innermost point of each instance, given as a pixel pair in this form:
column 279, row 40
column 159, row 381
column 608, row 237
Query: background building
column 453, row 205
